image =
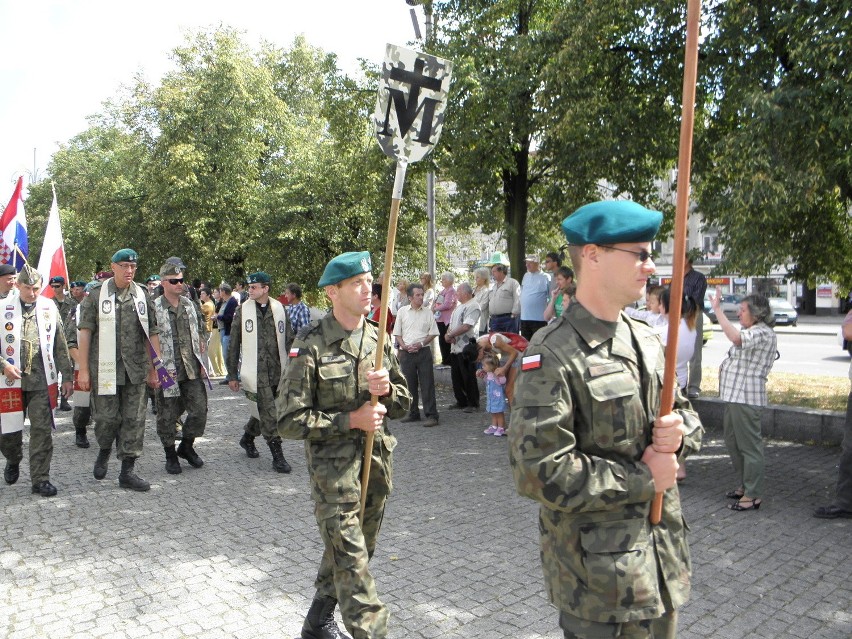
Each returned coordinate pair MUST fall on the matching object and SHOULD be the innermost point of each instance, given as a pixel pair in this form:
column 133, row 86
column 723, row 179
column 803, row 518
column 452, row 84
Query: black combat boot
column 129, row 479
column 64, row 405
column 101, row 463
column 247, row 442
column 11, row 473
column 279, row 464
column 80, row 437
column 319, row 623
column 186, row 451
column 172, row 463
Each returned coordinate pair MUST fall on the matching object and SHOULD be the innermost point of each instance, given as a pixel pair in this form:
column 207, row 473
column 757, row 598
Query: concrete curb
column 785, row 423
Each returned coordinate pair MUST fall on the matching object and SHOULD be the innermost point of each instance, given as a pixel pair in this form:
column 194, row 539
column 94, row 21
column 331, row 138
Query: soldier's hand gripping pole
column 398, row 182
column 684, row 166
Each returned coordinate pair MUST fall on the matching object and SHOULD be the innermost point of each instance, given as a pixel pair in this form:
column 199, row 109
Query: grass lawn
column 791, row 389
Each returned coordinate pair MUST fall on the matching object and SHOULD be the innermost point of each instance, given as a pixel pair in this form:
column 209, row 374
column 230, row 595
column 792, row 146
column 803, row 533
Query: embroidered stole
column 249, row 328
column 167, row 350
column 11, row 395
column 106, row 332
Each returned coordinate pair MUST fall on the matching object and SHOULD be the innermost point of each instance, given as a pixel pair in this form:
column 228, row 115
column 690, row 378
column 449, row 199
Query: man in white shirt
column 504, row 304
column 415, row 329
column 462, row 331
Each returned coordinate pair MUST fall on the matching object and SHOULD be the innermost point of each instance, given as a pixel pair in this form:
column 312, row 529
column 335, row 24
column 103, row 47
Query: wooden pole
column 684, row 165
column 399, row 180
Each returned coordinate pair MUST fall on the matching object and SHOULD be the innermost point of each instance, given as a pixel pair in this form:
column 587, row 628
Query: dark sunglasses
column 643, row 255
column 175, row 281
column 55, row 285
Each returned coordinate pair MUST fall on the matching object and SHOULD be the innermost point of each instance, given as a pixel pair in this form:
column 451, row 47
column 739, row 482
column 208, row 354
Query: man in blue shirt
column 535, row 288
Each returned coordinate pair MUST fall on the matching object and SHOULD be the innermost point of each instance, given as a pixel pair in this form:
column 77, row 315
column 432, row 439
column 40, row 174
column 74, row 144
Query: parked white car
column 785, row 314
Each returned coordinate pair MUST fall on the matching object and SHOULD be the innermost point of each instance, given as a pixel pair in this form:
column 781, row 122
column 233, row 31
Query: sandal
column 735, row 494
column 754, row 505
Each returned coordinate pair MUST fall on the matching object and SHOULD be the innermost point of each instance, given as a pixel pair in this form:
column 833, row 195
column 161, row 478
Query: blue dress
column 495, row 392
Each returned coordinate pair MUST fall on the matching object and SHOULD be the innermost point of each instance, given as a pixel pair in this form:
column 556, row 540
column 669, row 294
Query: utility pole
column 430, row 176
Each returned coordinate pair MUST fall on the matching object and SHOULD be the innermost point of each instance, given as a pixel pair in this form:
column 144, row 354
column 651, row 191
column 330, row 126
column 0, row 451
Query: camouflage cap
column 176, row 261
column 7, row 269
column 170, row 269
column 124, row 255
column 259, row 278
column 29, row 276
column 611, row 222
column 344, row 266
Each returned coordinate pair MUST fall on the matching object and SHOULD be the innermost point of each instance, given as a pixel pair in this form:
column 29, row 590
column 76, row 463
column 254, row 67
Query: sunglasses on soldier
column 175, row 281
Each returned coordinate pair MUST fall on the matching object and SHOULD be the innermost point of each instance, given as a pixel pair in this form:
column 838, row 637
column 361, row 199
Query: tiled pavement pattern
column 230, row 550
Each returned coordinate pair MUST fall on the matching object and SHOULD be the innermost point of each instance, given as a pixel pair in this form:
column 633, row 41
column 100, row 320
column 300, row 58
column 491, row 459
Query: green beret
column 170, row 269
column 611, row 222
column 57, row 279
column 259, row 278
column 76, row 283
column 124, row 255
column 152, row 278
column 344, row 266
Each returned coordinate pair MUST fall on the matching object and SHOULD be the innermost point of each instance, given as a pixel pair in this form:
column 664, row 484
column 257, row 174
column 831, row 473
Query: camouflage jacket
column 131, row 347
column 324, row 381
column 269, row 364
column 580, row 423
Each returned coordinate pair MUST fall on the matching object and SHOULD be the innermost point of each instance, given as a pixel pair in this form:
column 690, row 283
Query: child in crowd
column 495, row 392
column 653, row 310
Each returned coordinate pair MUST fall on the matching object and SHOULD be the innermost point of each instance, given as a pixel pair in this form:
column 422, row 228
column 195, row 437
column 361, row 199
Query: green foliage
column 775, row 170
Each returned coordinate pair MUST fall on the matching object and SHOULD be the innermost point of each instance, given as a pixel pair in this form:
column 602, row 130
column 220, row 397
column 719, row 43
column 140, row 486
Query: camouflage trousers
column 267, row 425
column 664, row 627
column 37, row 408
column 120, row 418
column 82, row 416
column 193, row 400
column 344, row 572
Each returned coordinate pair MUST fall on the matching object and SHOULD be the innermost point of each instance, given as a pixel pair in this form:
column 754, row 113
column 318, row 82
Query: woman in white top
column 685, row 345
column 481, row 293
column 428, row 291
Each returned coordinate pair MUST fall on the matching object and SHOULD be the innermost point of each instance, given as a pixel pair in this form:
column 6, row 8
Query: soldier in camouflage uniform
column 82, row 414
column 325, row 400
column 117, row 321
column 37, row 369
column 182, row 347
column 586, row 444
column 262, row 322
column 65, row 304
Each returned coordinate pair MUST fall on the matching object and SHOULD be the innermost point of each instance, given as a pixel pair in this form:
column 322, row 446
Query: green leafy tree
column 775, row 170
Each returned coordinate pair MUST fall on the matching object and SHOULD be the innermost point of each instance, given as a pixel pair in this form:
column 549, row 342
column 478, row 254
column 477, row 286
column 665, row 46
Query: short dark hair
column 377, row 290
column 411, row 287
column 553, row 256
column 565, row 271
column 502, row 268
column 294, row 290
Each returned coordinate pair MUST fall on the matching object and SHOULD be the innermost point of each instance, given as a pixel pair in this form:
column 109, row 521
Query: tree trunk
column 515, row 207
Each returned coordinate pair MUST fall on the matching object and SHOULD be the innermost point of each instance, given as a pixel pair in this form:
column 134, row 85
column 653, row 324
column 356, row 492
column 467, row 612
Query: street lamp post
column 430, row 176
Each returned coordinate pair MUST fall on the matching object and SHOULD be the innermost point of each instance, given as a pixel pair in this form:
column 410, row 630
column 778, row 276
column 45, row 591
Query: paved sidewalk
column 230, row 550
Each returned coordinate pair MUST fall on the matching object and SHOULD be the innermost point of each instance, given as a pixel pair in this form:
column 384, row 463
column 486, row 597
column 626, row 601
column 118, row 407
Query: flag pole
column 684, row 165
column 399, row 180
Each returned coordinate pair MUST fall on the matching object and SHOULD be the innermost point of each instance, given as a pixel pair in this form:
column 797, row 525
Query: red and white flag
column 51, row 260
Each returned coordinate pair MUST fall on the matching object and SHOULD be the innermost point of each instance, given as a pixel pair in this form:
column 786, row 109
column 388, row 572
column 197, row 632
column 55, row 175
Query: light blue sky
column 60, row 60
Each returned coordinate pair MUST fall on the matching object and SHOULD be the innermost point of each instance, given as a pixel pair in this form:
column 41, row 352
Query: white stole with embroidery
column 168, row 355
column 249, row 328
column 107, row 376
column 11, row 396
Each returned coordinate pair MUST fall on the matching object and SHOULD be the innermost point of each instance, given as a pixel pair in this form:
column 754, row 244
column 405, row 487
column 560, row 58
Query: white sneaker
column 491, row 430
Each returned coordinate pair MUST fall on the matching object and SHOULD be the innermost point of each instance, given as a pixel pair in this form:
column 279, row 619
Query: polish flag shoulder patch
column 531, row 362
column 294, row 352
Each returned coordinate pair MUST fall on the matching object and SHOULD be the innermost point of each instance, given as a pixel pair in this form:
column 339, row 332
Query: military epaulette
column 307, row 329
